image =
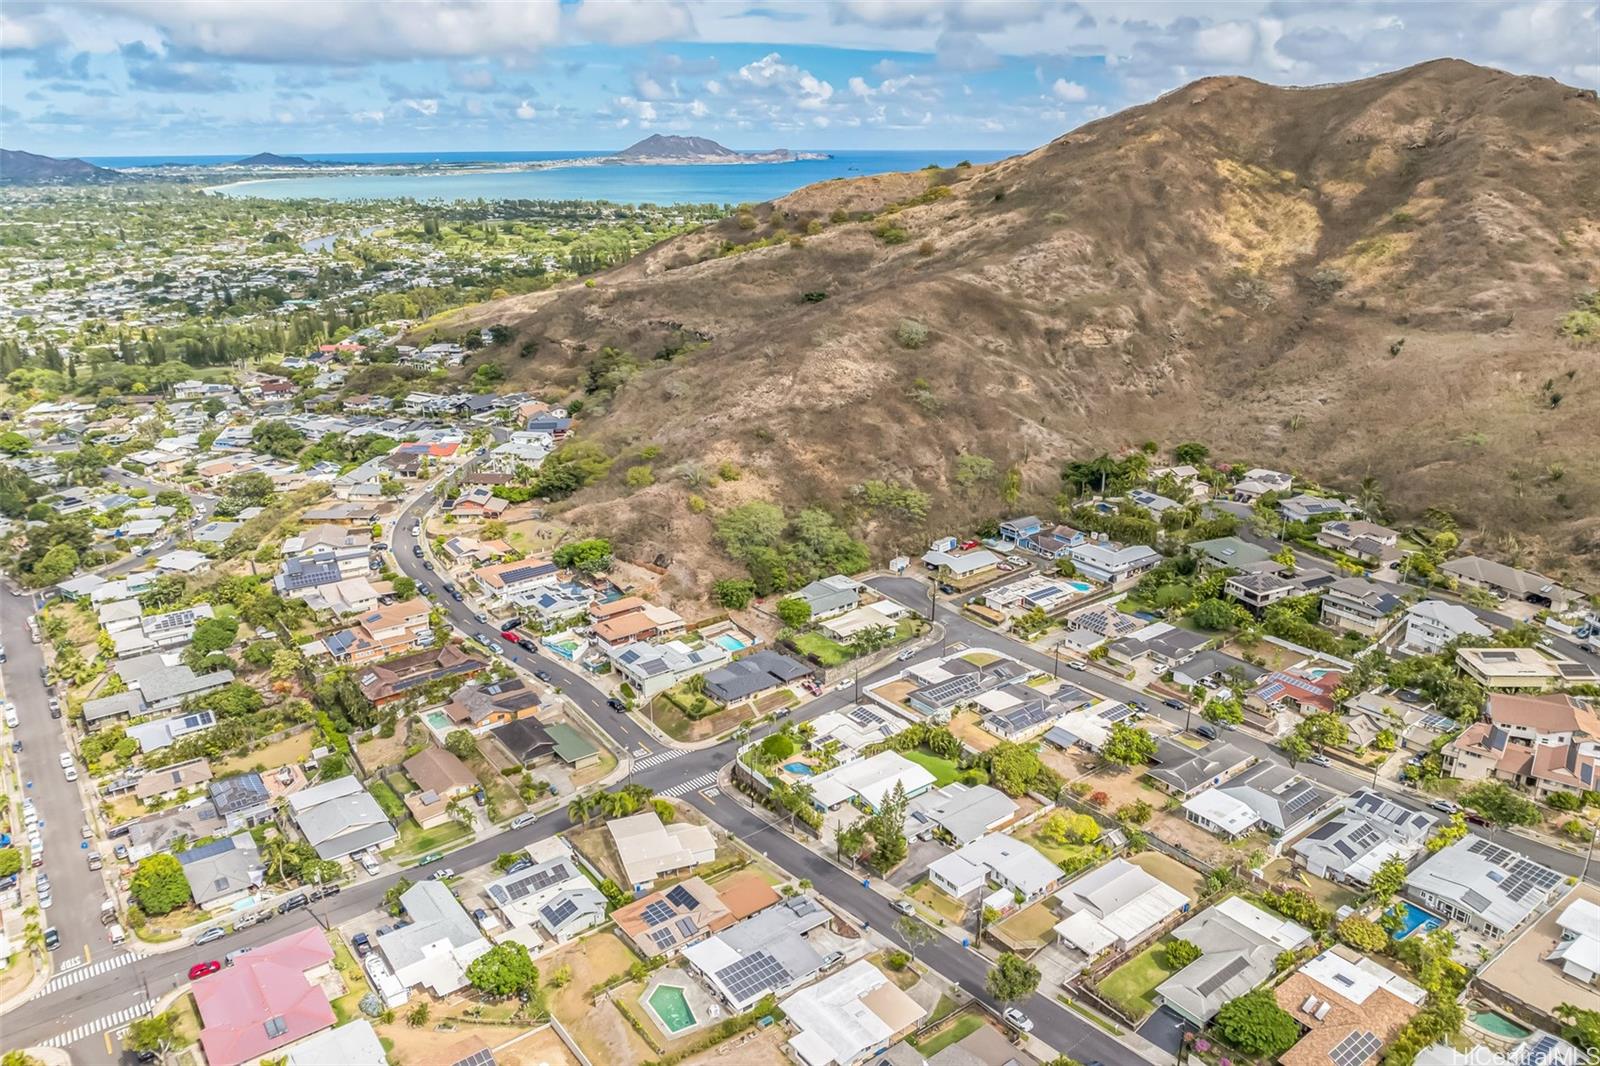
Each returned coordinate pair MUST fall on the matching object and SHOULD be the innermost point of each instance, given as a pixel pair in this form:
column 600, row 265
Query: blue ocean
column 622, row 184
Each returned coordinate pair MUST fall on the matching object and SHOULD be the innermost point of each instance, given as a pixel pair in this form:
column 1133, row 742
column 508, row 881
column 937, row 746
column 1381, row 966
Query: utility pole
column 1589, row 856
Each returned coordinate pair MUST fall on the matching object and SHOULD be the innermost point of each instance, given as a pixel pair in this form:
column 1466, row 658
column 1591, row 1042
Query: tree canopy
column 158, row 885
column 1256, row 1025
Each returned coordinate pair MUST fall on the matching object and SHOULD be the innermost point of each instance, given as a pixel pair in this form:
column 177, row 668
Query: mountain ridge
column 1357, row 280
column 28, row 168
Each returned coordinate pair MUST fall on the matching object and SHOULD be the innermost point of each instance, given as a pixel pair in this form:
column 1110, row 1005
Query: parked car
column 617, row 705
column 416, row 549
column 1176, row 705
column 442, row 874
column 1076, row 665
column 1017, row 1020
column 508, row 635
column 294, row 903
column 526, row 645
column 52, row 939
column 906, row 656
column 904, row 906
column 544, row 675
column 1444, row 805
column 482, row 618
column 427, row 564
column 841, row 686
column 522, row 821
column 204, row 969
column 121, row 852
column 1319, row 760
column 216, row 932
column 95, row 861
column 519, row 866
column 1209, row 732
column 363, row 945
column 227, row 960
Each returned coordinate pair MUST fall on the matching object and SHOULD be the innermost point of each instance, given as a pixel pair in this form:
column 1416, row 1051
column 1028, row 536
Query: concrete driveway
column 1165, row 1030
column 922, row 854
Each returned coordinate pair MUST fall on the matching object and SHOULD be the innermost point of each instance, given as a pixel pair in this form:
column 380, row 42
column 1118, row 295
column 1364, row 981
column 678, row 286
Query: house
column 1110, row 564
column 552, row 871
column 1508, row 582
column 1056, row 542
column 1578, row 951
column 156, row 632
column 182, row 561
column 854, row 728
column 1360, row 606
column 442, row 940
column 1159, row 643
column 846, row 1016
column 394, row 679
column 1239, row 945
column 171, row 829
column 1483, row 885
column 959, row 813
column 1307, row 508
column 1432, row 624
column 646, row 622
column 1547, row 743
column 170, row 782
column 955, row 680
column 866, row 783
column 266, row 999
column 1303, row 692
column 352, row 1044
column 1256, row 483
column 571, row 911
column 242, row 800
column 1183, row 771
column 103, row 710
column 164, row 732
column 1358, row 539
column 766, row 953
column 1017, row 530
column 1215, row 669
column 754, row 675
column 223, row 872
column 881, row 614
column 1229, row 553
column 1350, row 1007
column 383, row 632
column 1216, row 811
column 1259, row 589
column 441, row 773
column 1086, row 725
column 339, row 818
column 1527, row 669
column 353, row 595
column 959, row 565
column 830, row 596
column 572, row 747
column 316, row 540
column 1284, row 802
column 663, row 923
column 479, row 707
column 343, row 514
column 648, row 849
column 1010, row 863
column 1350, row 847
column 506, row 580
column 1116, row 905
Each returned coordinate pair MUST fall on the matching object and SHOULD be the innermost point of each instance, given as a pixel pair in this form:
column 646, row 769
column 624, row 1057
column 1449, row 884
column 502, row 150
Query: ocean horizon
column 652, row 183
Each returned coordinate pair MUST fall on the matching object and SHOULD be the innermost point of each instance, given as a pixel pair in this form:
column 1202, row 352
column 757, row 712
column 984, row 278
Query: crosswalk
column 659, row 757
column 77, row 970
column 694, row 784
column 99, row 1025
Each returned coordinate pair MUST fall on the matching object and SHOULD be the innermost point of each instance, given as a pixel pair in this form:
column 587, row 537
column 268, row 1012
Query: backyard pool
column 1498, row 1024
column 1414, row 918
column 799, row 769
column 1081, row 586
column 669, row 1005
column 437, row 721
column 729, row 642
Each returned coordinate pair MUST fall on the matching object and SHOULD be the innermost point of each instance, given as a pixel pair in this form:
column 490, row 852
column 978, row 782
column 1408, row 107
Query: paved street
column 76, row 889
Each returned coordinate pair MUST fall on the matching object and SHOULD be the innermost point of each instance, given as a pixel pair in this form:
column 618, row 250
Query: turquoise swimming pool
column 1413, row 918
column 1498, row 1024
column 672, row 1008
column 799, row 769
column 729, row 642
column 1081, row 586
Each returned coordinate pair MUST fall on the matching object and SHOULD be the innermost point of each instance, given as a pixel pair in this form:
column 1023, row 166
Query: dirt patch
column 1170, row 871
column 596, row 845
column 377, row 752
column 964, row 724
column 541, row 1047
column 295, row 749
column 754, row 1047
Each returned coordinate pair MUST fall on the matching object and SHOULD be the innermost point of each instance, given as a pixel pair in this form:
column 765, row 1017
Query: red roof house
column 266, row 1000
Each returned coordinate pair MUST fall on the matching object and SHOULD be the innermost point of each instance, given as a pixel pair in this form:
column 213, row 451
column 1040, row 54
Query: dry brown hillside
column 1233, row 263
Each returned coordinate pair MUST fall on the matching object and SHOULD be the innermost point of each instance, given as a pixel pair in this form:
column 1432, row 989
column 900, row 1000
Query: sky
column 179, row 77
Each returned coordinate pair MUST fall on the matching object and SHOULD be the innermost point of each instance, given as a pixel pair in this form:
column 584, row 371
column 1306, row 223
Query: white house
column 1432, row 624
column 1578, row 951
column 1115, row 905
column 844, row 1017
column 440, row 943
column 867, row 782
column 1009, row 863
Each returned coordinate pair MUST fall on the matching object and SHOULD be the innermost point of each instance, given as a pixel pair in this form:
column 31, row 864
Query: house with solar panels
column 1371, row 830
column 1284, row 802
column 1489, row 888
column 550, row 879
column 1349, row 1007
column 766, row 953
column 664, row 923
column 1239, row 944
column 158, row 632
column 946, row 684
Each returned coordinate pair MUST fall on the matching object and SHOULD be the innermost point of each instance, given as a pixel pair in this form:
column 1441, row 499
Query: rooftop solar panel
column 558, row 913
column 682, row 897
column 1232, row 969
column 1355, row 1049
column 686, row 927
column 657, row 912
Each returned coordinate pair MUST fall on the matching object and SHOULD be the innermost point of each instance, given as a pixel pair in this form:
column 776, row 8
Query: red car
column 506, row 634
column 204, row 969
column 968, row 545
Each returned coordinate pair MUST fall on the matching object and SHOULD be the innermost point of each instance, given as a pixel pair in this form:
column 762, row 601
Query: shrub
column 1181, row 953
column 1099, row 799
column 1565, row 801
column 911, row 334
column 1256, row 1025
column 897, row 960
column 1362, row 934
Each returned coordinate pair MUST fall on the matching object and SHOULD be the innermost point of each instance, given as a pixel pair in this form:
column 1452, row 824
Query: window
column 276, row 1027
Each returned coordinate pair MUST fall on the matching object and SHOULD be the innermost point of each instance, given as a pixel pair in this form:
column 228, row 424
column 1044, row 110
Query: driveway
column 923, row 853
column 1165, row 1030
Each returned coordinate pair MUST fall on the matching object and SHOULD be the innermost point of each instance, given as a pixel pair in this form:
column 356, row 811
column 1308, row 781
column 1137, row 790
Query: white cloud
column 770, row 74
column 630, row 22
column 647, row 87
column 526, row 111
column 641, row 110
column 428, row 107
column 698, row 109
column 1070, row 91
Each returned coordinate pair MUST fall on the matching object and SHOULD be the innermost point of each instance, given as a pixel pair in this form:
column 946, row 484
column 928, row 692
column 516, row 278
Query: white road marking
column 81, row 972
column 694, row 784
column 659, row 758
column 99, row 1025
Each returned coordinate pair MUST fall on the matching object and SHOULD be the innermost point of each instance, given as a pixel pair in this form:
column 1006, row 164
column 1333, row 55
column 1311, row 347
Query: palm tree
column 460, row 812
column 578, row 810
column 273, row 852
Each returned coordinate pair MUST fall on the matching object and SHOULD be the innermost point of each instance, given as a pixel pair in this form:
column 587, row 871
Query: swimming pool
column 729, row 642
column 1498, row 1024
column 799, row 769
column 437, row 721
column 1081, row 586
column 1414, row 918
column 669, row 1005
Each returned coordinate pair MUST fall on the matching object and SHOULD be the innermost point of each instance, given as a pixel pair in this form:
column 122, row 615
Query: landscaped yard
column 415, row 840
column 943, row 770
column 1056, row 853
column 1327, row 893
column 1031, row 924
column 961, row 1027
column 347, row 1006
column 295, row 749
column 826, row 651
column 1171, row 871
column 1132, row 985
column 938, row 901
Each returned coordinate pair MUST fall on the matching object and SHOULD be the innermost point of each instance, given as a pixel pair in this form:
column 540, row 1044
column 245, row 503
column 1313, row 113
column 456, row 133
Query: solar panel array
column 1300, row 802
column 538, row 878
column 864, row 717
column 945, row 693
column 752, row 976
column 1355, row 1049
column 175, row 620
column 656, row 913
column 1543, row 1052
column 1232, row 969
column 686, row 927
column 481, row 1057
column 556, row 914
column 1491, row 852
column 682, row 897
column 1025, row 717
column 664, row 938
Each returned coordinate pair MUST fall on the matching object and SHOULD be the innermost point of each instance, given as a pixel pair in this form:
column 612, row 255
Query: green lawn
column 962, row 1028
column 825, row 651
column 944, row 771
column 1132, row 985
column 414, row 840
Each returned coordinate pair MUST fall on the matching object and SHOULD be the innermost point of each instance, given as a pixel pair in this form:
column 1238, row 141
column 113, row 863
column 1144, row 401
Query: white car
column 11, row 717
column 72, row 774
column 445, row 874
column 66, row 760
column 841, row 686
column 44, row 900
column 1017, row 1020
